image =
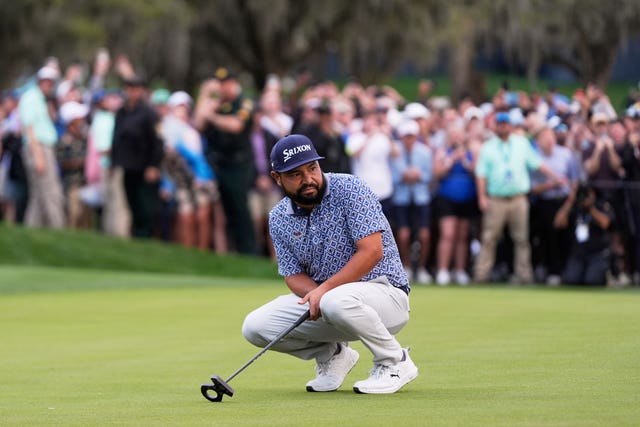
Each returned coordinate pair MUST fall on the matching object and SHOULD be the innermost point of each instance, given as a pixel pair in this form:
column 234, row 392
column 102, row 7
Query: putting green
column 82, row 348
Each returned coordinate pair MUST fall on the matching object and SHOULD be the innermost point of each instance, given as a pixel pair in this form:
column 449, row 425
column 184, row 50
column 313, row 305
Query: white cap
column 179, row 98
column 48, row 73
column 516, row 117
column 553, row 121
column 64, row 88
column 415, row 110
column 408, row 127
column 73, row 110
column 473, row 112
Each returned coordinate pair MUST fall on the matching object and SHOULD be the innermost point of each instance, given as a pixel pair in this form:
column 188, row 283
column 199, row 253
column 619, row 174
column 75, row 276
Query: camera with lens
column 583, row 197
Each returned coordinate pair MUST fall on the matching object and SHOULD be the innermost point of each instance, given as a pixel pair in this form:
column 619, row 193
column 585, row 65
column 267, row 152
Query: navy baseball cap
column 293, row 151
column 503, row 117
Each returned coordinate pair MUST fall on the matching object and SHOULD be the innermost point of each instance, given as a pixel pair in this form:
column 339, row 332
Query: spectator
column 273, row 119
column 13, row 193
column 631, row 165
column 328, row 141
column 46, row 201
column 197, row 190
column 137, row 149
column 411, row 172
column 502, row 185
column 552, row 205
column 71, row 153
column 224, row 117
column 371, row 151
column 420, row 114
column 116, row 218
column 264, row 193
column 456, row 205
column 589, row 258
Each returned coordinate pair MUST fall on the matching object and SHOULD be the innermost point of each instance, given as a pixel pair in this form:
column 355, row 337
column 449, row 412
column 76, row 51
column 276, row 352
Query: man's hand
column 152, row 174
column 561, row 219
column 39, row 164
column 483, row 202
column 313, row 298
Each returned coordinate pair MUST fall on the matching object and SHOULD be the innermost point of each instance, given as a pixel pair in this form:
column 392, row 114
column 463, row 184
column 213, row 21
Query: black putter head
column 219, row 386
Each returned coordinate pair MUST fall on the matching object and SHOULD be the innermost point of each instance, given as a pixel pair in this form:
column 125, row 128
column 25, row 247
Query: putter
column 221, row 387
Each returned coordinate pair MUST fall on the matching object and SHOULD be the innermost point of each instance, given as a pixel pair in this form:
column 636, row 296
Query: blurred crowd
column 541, row 187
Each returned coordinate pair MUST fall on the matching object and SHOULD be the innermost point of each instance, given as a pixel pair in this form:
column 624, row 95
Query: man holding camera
column 589, row 258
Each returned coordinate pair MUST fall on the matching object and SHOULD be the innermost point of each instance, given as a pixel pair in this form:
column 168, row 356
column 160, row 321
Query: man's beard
column 299, row 198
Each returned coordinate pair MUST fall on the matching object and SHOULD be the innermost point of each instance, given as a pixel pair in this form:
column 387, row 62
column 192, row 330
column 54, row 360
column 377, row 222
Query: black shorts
column 415, row 216
column 445, row 207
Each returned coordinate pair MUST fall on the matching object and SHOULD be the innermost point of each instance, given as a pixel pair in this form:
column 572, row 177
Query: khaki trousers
column 514, row 212
column 116, row 219
column 45, row 207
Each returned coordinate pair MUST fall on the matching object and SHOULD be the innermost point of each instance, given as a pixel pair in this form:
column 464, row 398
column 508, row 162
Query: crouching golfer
column 338, row 257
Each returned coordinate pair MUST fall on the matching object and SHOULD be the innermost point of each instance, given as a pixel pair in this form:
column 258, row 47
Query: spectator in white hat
column 411, row 172
column 45, row 206
column 414, row 111
column 71, row 153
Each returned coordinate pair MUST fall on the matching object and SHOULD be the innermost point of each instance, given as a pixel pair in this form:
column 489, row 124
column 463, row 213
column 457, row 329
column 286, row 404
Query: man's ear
column 276, row 178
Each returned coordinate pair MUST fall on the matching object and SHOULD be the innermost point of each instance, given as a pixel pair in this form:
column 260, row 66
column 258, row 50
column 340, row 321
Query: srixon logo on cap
column 290, row 152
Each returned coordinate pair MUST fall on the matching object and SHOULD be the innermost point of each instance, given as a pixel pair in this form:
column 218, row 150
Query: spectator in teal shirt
column 502, row 178
column 46, row 203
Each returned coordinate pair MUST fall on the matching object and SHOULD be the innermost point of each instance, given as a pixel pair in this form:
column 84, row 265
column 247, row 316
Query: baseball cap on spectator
column 440, row 103
column 553, row 122
column 134, row 81
column 503, row 117
column 293, row 151
column 72, row 110
column 64, row 88
column 633, row 111
column 223, row 74
column 473, row 113
column 599, row 117
column 179, row 98
column 487, row 108
column 408, row 127
column 160, row 96
column 415, row 110
column 516, row 118
column 48, row 73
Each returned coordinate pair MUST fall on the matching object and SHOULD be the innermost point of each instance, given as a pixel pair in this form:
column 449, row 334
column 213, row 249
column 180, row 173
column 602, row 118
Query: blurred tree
column 583, row 36
column 383, row 35
column 262, row 37
column 154, row 33
column 181, row 42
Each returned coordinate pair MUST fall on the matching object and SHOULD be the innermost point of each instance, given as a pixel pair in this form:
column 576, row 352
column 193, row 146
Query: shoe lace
column 322, row 368
column 380, row 371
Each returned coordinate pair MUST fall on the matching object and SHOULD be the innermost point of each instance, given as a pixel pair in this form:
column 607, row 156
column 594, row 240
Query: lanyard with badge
column 582, row 228
column 505, row 148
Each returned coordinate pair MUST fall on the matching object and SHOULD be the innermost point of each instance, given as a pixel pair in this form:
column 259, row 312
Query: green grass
column 89, row 250
column 617, row 91
column 84, row 347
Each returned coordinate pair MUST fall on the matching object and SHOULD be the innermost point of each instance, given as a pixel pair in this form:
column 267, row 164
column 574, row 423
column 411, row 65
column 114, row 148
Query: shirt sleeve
column 288, row 262
column 532, row 157
column 362, row 210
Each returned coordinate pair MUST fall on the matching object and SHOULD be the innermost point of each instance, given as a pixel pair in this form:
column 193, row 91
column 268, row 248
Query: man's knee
column 252, row 330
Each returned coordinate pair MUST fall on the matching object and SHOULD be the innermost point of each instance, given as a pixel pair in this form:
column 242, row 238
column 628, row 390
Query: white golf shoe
column 388, row 379
column 331, row 374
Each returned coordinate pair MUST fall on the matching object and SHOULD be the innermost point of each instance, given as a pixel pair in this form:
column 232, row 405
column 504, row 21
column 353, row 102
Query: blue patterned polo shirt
column 321, row 242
